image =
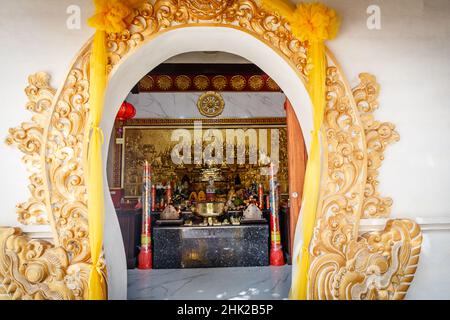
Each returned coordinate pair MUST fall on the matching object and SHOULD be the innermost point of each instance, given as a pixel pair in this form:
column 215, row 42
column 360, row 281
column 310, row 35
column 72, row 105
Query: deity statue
column 231, row 198
column 210, row 190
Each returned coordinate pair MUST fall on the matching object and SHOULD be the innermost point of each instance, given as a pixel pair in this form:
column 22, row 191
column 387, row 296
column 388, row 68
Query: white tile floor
column 268, row 283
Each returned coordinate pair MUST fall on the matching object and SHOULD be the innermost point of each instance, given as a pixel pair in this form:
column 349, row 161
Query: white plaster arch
column 154, row 52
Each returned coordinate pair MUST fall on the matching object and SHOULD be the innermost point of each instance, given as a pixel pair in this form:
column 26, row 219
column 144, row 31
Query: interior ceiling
column 208, row 57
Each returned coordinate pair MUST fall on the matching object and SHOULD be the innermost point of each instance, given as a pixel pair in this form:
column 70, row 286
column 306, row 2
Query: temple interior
column 198, row 171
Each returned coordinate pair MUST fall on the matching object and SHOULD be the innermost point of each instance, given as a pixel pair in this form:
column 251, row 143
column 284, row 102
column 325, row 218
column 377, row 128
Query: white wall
column 409, row 55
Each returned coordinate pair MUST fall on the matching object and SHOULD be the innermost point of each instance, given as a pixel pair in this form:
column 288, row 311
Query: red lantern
column 126, row 112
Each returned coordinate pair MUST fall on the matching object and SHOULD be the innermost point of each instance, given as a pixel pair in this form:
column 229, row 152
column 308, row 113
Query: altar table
column 206, row 247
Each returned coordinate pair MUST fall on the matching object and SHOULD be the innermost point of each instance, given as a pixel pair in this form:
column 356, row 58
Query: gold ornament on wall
column 345, row 264
column 183, row 82
column 256, row 83
column 36, row 270
column 147, row 83
column 29, row 139
column 201, row 82
column 238, row 82
column 164, row 83
column 219, row 83
column 272, row 85
column 211, row 104
column 342, row 260
column 379, row 135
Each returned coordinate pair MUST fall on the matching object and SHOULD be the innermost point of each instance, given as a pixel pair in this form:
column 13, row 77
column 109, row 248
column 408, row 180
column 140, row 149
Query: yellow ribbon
column 313, row 23
column 110, row 17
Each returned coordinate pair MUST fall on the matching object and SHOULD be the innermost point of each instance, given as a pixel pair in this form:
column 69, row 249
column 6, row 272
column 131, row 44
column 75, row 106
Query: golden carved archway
column 345, row 264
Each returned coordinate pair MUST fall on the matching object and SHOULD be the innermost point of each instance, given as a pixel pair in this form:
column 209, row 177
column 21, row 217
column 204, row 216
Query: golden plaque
column 211, row 104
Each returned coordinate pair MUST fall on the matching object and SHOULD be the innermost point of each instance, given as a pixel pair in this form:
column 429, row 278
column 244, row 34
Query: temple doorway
column 216, row 134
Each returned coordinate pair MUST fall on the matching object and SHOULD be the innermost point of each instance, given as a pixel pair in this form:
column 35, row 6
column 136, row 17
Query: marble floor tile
column 257, row 283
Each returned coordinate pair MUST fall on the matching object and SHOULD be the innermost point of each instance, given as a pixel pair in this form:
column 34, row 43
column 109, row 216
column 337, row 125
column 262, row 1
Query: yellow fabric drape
column 313, row 23
column 109, row 17
column 312, row 177
column 97, row 287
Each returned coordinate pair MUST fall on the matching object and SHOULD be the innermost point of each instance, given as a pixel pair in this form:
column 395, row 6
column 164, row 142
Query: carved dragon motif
column 35, row 269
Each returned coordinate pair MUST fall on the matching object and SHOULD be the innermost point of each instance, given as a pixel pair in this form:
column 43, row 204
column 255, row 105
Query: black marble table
column 206, row 247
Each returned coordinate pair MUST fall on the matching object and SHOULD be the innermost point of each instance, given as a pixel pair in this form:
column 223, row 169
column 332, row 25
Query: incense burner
column 209, row 211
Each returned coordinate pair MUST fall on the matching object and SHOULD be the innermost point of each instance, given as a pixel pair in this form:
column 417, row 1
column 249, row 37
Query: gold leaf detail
column 183, row 82
column 164, row 82
column 201, row 82
column 146, row 84
column 256, row 83
column 29, row 139
column 35, row 270
column 238, row 82
column 378, row 135
column 220, row 83
column 272, row 85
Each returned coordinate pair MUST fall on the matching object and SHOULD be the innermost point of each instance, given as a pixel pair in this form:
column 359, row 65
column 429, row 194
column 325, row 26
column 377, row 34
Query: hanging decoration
column 110, row 17
column 313, row 23
column 126, row 112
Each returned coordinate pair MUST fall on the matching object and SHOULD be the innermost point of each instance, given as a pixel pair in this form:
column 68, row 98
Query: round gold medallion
column 256, row 83
column 146, row 83
column 183, row 82
column 210, row 104
column 219, row 82
column 272, row 85
column 238, row 83
column 164, row 82
column 201, row 82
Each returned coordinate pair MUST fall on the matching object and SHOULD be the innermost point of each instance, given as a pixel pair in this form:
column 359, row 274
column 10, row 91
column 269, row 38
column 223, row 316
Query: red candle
column 261, row 196
column 145, row 254
column 169, row 194
column 276, row 249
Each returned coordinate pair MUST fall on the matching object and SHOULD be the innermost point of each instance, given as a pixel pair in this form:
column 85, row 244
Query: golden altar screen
column 153, row 140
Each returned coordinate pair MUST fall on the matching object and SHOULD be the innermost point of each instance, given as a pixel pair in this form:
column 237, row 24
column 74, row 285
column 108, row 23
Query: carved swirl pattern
column 55, row 147
column 35, row 269
column 378, row 265
column 378, row 136
column 28, row 138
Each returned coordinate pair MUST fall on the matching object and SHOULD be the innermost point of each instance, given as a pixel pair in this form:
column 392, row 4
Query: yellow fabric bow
column 309, row 21
column 111, row 15
column 314, row 23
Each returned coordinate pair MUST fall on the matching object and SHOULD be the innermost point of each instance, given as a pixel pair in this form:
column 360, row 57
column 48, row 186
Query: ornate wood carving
column 379, row 265
column 29, row 138
column 378, row 136
column 35, row 269
column 345, row 265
